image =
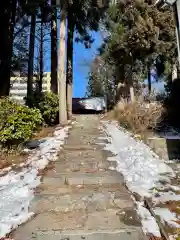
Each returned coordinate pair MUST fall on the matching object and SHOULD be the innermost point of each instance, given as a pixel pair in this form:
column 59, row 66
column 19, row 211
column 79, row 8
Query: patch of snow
column 95, row 103
column 149, row 224
column 169, row 161
column 5, row 170
column 167, row 217
column 141, row 167
column 144, row 172
column 167, row 188
column 16, row 188
column 175, row 188
column 167, row 196
column 173, row 237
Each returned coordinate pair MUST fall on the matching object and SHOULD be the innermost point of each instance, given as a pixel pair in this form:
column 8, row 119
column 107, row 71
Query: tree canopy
column 138, row 35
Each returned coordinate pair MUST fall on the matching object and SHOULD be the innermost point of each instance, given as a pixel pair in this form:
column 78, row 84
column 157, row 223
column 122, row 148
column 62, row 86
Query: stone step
column 79, row 147
column 85, row 200
column 84, row 153
column 126, row 234
column 81, row 166
column 78, row 178
column 62, row 189
column 95, row 155
column 50, row 222
column 82, row 139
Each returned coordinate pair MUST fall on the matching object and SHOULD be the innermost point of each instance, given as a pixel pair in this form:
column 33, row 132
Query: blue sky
column 82, row 61
column 81, row 65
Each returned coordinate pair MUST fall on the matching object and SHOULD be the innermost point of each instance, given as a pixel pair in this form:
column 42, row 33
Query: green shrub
column 17, row 123
column 48, row 105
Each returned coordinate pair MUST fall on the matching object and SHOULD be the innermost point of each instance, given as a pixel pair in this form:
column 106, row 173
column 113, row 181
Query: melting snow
column 16, row 188
column 142, row 169
column 140, row 166
column 167, row 216
column 167, row 196
column 149, row 224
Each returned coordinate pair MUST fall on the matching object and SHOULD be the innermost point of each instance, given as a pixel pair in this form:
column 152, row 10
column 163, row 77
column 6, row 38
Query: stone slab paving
column 79, row 197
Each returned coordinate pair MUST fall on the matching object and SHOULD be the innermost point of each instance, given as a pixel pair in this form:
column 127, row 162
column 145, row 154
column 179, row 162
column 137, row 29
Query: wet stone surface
column 79, row 197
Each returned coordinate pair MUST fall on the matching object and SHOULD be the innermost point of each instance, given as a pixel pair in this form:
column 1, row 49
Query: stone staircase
column 79, row 197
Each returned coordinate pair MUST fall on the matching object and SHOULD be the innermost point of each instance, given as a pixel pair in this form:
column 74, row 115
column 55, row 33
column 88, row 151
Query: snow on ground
column 167, row 196
column 144, row 173
column 16, row 188
column 167, row 216
column 149, row 224
column 141, row 167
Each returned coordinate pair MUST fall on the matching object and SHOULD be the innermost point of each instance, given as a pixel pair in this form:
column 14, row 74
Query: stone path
column 80, row 198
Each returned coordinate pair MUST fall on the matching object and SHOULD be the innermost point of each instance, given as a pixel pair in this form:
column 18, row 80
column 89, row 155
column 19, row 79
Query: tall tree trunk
column 54, row 87
column 61, row 70
column 69, row 69
column 174, row 72
column 41, row 59
column 31, row 59
column 7, row 22
column 130, row 81
column 131, row 87
column 120, row 84
column 132, row 95
column 149, row 79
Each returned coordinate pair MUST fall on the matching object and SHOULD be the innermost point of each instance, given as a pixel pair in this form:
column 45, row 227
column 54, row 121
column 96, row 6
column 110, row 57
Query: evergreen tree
column 137, row 34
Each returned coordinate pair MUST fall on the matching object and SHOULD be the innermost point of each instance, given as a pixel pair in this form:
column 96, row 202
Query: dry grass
column 139, row 117
column 108, row 116
column 152, row 237
column 14, row 157
column 45, row 132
